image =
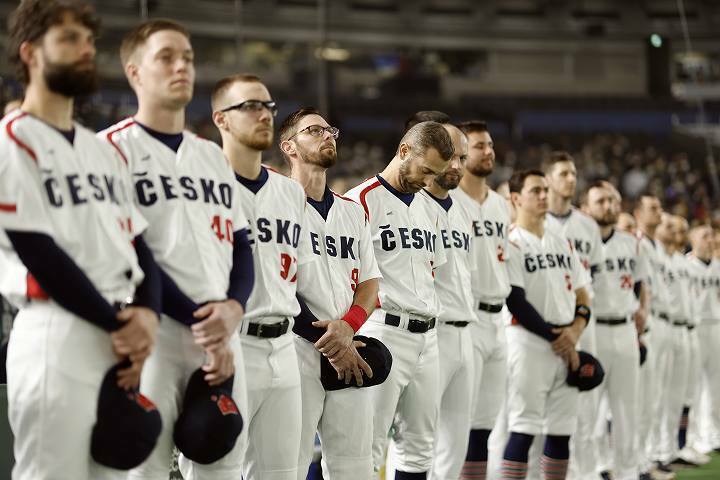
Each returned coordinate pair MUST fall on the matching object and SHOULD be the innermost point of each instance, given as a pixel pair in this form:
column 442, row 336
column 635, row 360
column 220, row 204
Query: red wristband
column 355, row 317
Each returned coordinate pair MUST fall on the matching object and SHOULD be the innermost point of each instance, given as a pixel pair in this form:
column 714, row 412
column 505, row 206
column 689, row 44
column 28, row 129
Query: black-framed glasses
column 253, row 106
column 318, row 131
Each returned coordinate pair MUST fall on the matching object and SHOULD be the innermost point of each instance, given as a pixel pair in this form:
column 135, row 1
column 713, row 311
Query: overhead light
column 332, row 54
column 656, row 40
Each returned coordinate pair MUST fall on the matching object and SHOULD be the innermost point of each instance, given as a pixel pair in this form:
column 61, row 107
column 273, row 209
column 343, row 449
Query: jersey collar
column 445, row 203
column 323, row 206
column 406, row 198
column 170, row 140
column 254, row 185
column 607, row 239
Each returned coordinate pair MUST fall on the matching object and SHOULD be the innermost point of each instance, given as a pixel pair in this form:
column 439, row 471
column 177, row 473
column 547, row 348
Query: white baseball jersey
column 79, row 194
column 191, row 202
column 584, row 235
column 13, row 275
column 549, row 271
column 615, row 278
column 674, row 300
column 453, row 279
column 404, row 232
column 683, row 271
column 490, row 223
column 340, row 253
column 655, row 274
column 277, row 216
column 705, row 288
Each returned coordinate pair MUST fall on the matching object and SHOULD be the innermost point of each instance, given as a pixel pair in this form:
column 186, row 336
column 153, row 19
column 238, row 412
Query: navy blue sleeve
column 303, row 323
column 149, row 292
column 636, row 288
column 62, row 279
column 527, row 316
column 242, row 275
column 175, row 304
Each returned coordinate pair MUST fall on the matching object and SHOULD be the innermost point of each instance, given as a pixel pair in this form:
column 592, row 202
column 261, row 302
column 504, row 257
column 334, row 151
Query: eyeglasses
column 253, row 106
column 318, row 131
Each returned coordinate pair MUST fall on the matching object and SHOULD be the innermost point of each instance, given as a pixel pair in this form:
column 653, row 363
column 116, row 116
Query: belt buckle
column 123, row 304
column 260, row 328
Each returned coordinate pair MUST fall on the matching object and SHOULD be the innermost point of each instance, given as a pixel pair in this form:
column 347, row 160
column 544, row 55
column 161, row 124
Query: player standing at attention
column 647, row 213
column 452, row 279
column 339, row 286
column 404, row 231
column 490, row 216
column 705, row 270
column 198, row 234
column 275, row 205
column 550, row 308
column 584, row 236
column 615, row 283
column 66, row 210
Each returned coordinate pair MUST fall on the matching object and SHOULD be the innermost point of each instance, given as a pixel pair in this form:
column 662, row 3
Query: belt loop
column 404, row 320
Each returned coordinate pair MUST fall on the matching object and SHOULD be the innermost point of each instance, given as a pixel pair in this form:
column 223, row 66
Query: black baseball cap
column 127, row 426
column 375, row 353
column 589, row 375
column 210, row 422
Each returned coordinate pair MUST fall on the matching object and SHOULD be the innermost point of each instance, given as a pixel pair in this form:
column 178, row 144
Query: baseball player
column 550, row 308
column 490, row 217
column 675, row 377
column 275, row 205
column 583, row 233
column 705, row 272
column 198, row 234
column 340, row 286
column 615, row 283
column 456, row 367
column 647, row 213
column 66, row 206
column 405, row 236
column 687, row 454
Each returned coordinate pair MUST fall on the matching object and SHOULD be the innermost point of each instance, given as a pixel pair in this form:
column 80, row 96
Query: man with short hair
column 275, row 206
column 550, row 308
column 185, row 188
column 404, row 230
column 337, row 290
column 66, row 213
column 582, row 232
column 615, row 282
column 490, row 217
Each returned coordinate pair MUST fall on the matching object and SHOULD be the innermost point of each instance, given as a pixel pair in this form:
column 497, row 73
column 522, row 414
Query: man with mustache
column 66, row 210
column 198, row 233
column 275, row 205
column 405, row 237
column 490, row 216
column 337, row 290
column 615, row 282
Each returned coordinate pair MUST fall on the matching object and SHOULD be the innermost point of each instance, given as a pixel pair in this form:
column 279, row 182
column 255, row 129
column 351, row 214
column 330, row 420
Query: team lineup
column 177, row 294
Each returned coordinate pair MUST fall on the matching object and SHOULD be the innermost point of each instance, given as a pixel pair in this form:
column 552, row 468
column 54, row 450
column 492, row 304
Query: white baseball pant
column 457, row 382
column 708, row 333
column 343, row 419
column 677, row 380
column 56, row 363
column 619, row 355
column 164, row 379
column 408, row 400
column 659, row 358
column 490, row 356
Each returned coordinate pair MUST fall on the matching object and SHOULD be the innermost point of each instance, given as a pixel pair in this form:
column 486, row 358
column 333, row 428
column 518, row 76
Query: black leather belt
column 691, row 327
column 272, row 330
column 457, row 324
column 490, row 308
column 122, row 305
column 679, row 323
column 414, row 325
column 612, row 321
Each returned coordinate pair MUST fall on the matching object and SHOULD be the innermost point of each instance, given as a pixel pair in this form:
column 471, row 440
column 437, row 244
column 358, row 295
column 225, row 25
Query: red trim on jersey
column 364, row 192
column 8, row 207
column 344, row 198
column 12, row 136
column 271, row 169
column 113, row 132
column 33, row 289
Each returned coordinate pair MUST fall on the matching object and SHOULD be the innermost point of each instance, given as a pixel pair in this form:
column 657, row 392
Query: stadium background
column 631, row 89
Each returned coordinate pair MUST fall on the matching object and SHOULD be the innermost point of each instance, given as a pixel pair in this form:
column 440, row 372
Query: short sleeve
column 514, row 265
column 580, row 276
column 238, row 217
column 304, row 250
column 597, row 255
column 22, row 205
column 368, row 264
column 439, row 256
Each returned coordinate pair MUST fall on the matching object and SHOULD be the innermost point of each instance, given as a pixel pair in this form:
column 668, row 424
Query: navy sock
column 477, row 448
column 682, row 431
column 410, row 476
column 557, row 446
column 518, row 447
